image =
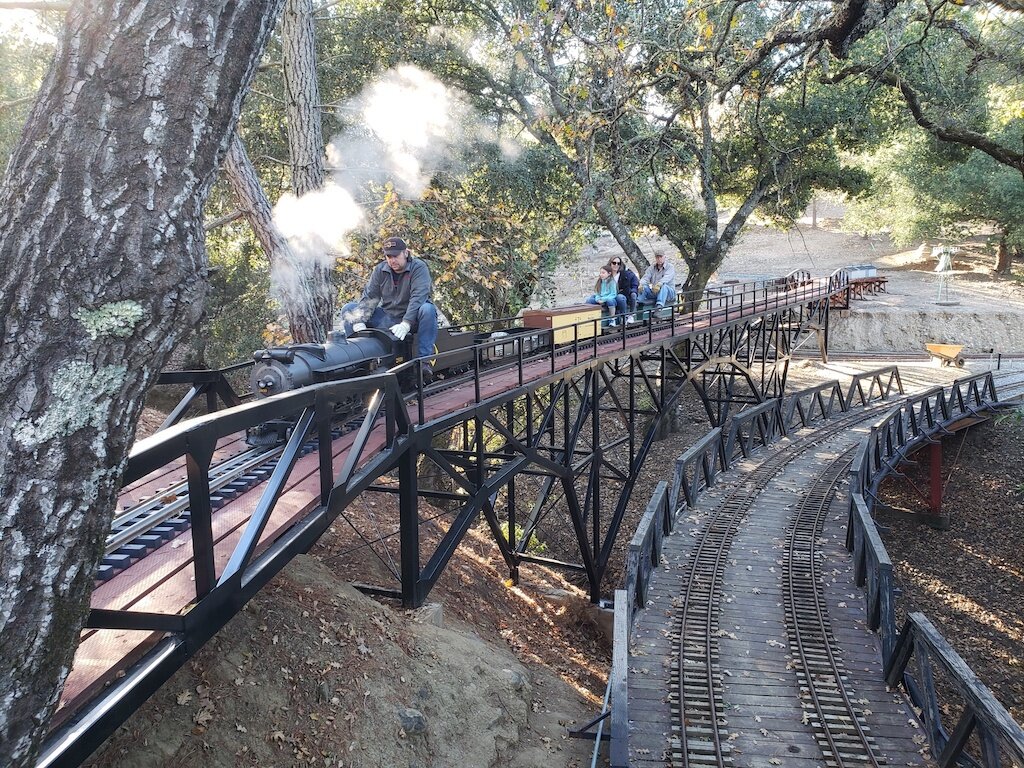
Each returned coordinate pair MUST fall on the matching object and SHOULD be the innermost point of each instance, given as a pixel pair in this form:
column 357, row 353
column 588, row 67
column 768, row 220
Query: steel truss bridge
column 544, row 444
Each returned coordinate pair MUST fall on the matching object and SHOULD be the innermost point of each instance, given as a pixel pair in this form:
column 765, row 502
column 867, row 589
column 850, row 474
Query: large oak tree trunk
column 103, row 269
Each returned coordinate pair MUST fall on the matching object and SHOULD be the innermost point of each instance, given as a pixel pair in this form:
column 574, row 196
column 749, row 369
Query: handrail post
column 476, row 373
column 197, row 460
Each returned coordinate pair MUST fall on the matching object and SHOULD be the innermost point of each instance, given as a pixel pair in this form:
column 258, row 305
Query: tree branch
column 949, row 132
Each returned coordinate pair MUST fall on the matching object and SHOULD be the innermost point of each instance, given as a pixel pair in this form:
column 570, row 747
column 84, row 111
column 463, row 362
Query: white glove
column 357, row 327
column 401, row 330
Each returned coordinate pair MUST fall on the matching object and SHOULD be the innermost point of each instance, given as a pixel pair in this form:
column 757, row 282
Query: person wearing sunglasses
column 629, row 285
column 397, row 299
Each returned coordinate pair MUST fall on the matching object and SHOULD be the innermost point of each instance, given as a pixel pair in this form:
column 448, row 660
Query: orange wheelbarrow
column 946, row 354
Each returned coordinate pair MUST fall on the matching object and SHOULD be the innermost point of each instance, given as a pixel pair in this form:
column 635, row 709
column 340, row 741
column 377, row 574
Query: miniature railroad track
column 155, row 520
column 839, row 728
column 698, row 710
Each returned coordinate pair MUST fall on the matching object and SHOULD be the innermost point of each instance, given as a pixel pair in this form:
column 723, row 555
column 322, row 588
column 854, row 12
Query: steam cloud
column 402, row 128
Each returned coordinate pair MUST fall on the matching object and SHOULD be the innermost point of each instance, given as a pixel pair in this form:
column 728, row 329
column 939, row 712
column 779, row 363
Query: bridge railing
column 696, row 470
column 195, row 442
column 818, row 403
column 915, row 421
column 839, row 288
column 998, row 735
column 249, row 562
column 533, row 352
column 212, row 385
column 875, row 384
column 752, row 429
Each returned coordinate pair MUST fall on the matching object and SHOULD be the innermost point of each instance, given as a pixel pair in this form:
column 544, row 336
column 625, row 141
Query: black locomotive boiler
column 293, row 366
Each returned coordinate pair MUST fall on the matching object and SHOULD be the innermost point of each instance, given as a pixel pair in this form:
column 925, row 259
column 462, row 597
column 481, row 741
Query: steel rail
column 718, row 533
column 143, row 517
column 806, row 526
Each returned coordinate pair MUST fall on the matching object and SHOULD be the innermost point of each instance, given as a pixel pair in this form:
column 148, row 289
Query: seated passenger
column 606, row 293
column 397, row 299
column 658, row 283
column 629, row 285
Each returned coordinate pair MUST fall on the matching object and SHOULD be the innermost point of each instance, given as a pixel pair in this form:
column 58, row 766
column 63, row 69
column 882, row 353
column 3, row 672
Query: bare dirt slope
column 312, row 672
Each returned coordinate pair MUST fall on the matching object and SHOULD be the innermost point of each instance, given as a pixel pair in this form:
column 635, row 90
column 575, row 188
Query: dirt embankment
column 312, row 672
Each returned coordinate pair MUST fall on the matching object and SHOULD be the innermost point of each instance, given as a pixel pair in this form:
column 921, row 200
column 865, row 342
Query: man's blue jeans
column 425, row 326
column 667, row 295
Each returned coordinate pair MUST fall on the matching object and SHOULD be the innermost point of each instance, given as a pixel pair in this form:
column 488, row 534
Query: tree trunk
column 701, row 267
column 1004, row 264
column 302, row 96
column 302, row 295
column 103, row 269
column 311, row 320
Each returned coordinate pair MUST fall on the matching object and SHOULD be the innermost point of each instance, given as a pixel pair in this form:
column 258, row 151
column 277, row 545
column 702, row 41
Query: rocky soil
column 312, row 672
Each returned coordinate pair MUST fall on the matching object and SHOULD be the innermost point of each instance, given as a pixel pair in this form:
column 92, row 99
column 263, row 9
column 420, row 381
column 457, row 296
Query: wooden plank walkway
column 767, row 718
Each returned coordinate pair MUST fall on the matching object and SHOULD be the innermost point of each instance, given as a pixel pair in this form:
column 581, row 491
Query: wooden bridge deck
column 767, row 717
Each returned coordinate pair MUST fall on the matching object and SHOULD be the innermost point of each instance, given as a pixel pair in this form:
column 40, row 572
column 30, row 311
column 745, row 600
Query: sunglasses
column 616, row 262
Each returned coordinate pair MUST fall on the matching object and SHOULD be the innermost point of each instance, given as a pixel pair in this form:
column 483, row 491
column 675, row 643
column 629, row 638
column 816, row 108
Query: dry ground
column 968, row 580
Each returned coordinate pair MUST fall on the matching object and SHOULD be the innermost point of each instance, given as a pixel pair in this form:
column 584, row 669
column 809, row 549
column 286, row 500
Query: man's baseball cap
column 394, row 246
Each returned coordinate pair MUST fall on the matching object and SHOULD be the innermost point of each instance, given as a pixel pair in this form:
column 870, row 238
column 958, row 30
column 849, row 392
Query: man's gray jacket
column 399, row 294
column 653, row 275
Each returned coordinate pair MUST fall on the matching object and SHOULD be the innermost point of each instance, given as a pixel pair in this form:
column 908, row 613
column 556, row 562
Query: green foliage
column 483, row 232
column 24, row 60
column 533, row 547
column 238, row 308
column 918, row 193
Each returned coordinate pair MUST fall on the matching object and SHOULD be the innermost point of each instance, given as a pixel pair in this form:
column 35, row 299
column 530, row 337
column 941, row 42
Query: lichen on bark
column 116, row 318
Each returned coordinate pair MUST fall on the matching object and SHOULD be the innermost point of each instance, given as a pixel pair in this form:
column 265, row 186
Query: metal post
column 595, row 475
column 325, row 449
column 935, row 478
column 198, row 466
column 476, row 372
column 409, row 526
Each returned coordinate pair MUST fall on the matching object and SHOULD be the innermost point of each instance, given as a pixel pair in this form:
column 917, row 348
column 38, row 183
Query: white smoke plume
column 316, row 227
column 404, row 127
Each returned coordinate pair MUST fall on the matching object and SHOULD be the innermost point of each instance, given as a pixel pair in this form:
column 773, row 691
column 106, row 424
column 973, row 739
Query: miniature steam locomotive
column 285, row 368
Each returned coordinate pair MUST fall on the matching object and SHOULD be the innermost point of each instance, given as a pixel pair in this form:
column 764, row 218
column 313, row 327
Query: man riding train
column 397, row 299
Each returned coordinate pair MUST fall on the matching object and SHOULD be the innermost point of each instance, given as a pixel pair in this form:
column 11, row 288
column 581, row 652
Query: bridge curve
column 753, row 636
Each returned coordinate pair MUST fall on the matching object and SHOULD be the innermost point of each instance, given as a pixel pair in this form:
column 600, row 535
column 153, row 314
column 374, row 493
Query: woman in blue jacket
column 606, row 293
